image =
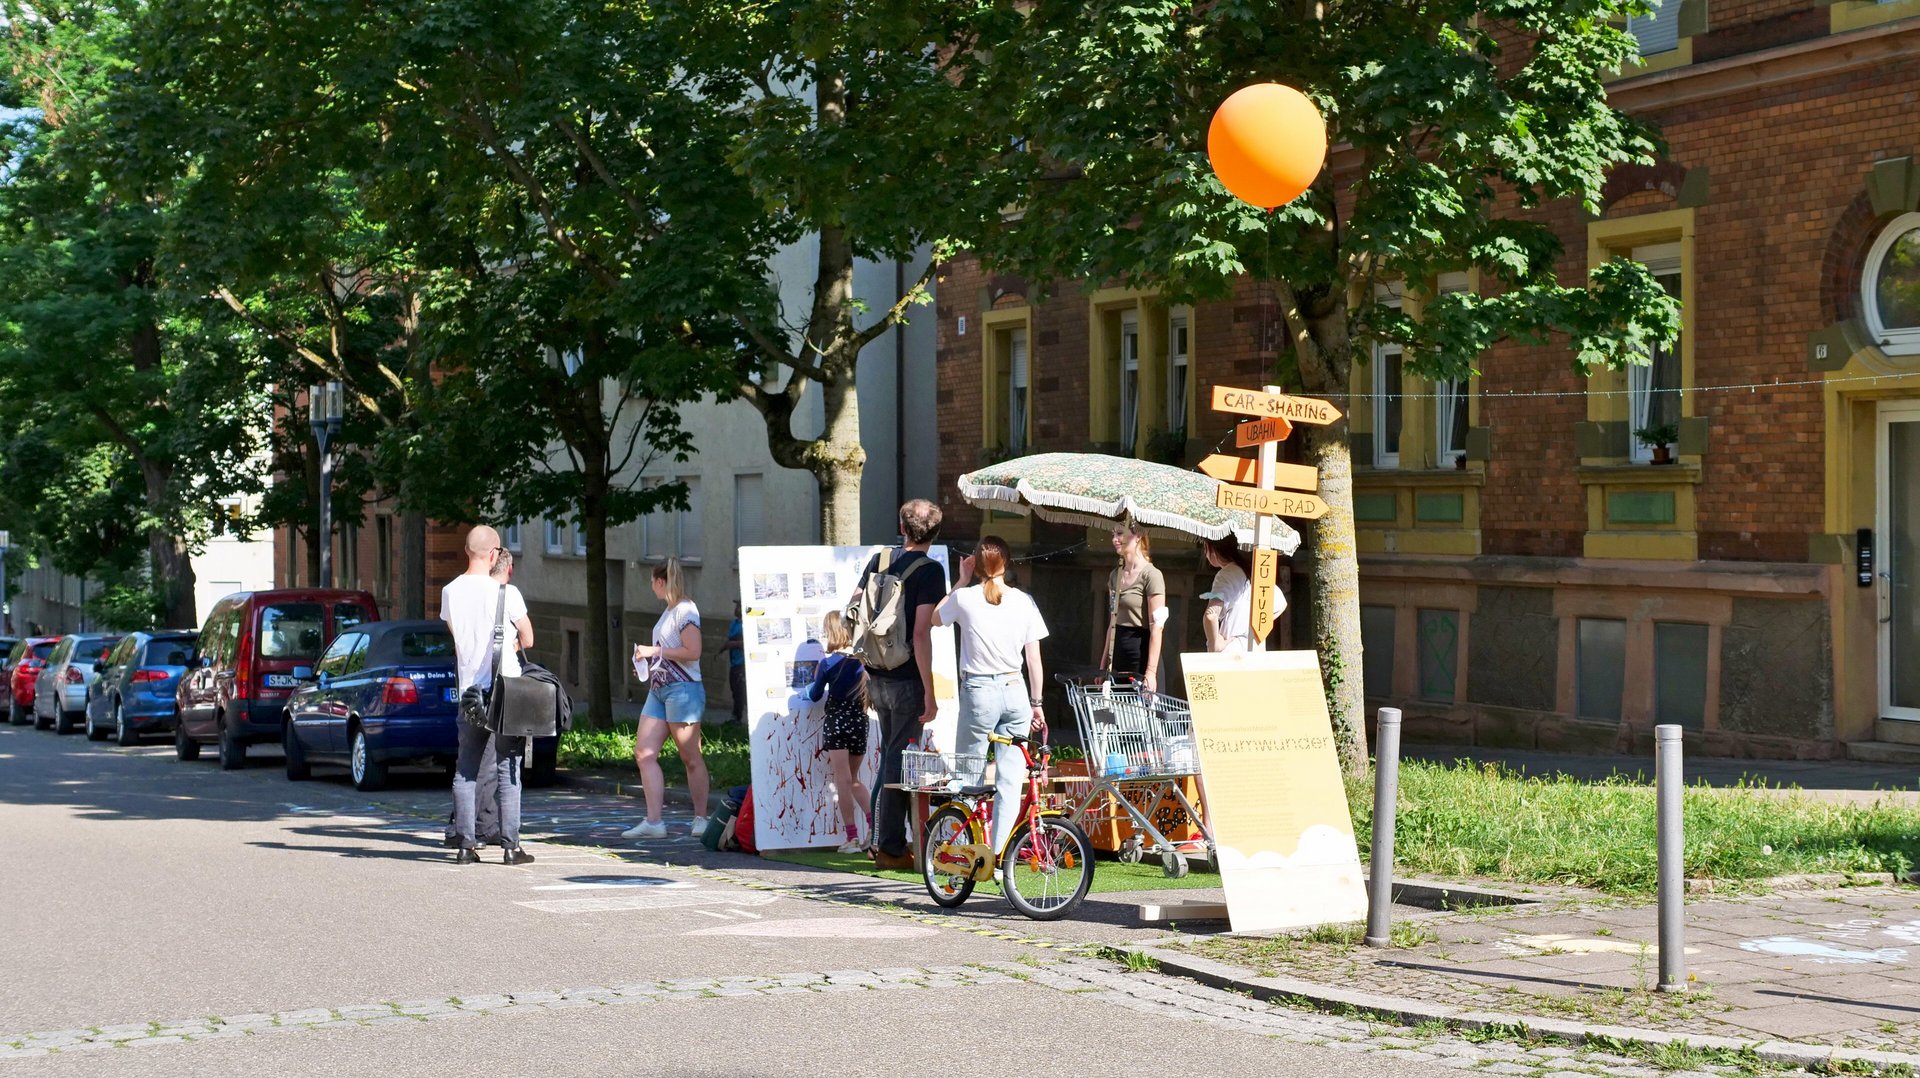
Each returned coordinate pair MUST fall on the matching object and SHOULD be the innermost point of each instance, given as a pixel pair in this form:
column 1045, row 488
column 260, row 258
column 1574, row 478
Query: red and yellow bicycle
column 1047, row 864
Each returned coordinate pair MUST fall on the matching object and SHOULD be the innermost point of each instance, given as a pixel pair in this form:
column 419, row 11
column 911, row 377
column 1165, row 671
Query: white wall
column 228, row 565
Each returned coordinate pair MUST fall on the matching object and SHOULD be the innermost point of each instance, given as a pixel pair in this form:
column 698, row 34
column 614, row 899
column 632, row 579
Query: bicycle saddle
column 976, row 791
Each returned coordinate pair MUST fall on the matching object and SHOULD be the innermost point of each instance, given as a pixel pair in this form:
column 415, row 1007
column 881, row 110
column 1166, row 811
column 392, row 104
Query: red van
column 255, row 648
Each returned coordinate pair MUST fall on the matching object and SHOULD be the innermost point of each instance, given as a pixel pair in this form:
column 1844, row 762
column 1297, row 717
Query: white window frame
column 1179, row 367
column 1019, row 378
column 554, row 535
column 1897, row 341
column 1450, row 396
column 670, row 538
column 1661, row 260
column 695, row 555
column 510, row 536
column 1130, row 382
column 579, row 539
column 1383, row 351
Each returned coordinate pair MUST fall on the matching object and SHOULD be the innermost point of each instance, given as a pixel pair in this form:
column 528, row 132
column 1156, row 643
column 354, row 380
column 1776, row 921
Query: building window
column 1600, row 667
column 1658, row 32
column 1129, row 382
column 347, row 566
column 1653, row 388
column 674, row 533
column 1387, row 390
column 1376, row 649
column 383, row 555
column 1439, row 653
column 1179, row 365
column 689, row 531
column 556, row 537
column 510, row 536
column 1017, row 397
column 749, row 510
column 1680, row 674
column 1890, row 287
column 579, row 539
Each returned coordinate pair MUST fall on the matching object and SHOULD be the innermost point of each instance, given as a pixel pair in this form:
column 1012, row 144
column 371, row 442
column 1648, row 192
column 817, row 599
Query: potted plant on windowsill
column 1659, row 437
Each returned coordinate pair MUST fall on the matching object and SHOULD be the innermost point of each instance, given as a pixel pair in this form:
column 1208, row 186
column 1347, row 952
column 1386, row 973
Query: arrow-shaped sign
column 1266, row 585
column 1246, row 470
column 1274, row 405
column 1279, row 503
column 1261, row 431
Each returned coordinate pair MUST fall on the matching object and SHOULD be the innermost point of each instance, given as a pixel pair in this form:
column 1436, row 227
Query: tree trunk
column 593, row 514
column 1335, row 585
column 413, row 565
column 838, row 462
column 170, row 563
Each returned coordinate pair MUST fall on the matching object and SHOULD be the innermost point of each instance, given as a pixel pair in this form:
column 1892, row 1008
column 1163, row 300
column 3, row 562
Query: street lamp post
column 323, row 415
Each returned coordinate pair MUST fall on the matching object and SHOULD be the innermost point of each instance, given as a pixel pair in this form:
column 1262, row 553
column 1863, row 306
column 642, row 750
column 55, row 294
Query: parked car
column 7, row 646
column 134, row 693
column 384, row 693
column 60, row 688
column 256, row 647
column 23, row 667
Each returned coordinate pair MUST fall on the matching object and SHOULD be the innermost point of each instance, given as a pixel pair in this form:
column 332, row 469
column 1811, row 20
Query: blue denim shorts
column 680, row 702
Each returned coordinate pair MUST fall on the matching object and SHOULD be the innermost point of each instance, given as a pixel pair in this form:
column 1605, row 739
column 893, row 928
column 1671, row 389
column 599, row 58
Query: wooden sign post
column 1274, row 414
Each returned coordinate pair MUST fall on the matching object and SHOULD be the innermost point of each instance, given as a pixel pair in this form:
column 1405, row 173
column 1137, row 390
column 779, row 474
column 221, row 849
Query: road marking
column 821, row 928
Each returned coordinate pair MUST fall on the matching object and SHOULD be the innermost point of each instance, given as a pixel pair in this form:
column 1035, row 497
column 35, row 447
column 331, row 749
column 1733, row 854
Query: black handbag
column 518, row 706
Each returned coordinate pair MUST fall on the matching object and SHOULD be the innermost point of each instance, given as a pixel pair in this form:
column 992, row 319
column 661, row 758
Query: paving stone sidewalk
column 1837, row 967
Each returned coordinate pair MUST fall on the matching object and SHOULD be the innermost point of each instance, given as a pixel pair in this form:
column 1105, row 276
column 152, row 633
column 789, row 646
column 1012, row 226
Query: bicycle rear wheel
column 1048, row 868
column 949, row 825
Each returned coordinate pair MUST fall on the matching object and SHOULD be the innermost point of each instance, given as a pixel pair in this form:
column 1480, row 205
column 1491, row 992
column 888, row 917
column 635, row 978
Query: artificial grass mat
column 1108, row 876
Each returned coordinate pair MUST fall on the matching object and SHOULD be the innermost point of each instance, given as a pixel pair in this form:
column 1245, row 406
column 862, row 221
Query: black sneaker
column 517, row 856
column 467, row 856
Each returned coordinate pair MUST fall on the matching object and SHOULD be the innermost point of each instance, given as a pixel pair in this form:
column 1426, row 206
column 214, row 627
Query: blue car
column 134, row 692
column 384, row 693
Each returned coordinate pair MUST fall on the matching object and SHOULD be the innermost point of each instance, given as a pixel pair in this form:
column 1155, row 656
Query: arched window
column 1890, row 287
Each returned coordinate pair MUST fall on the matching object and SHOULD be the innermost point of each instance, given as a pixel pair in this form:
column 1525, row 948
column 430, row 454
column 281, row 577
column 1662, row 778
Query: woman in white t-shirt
column 676, row 702
column 1000, row 631
column 1229, row 612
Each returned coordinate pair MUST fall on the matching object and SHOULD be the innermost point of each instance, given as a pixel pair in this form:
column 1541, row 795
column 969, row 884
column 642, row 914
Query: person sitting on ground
column 842, row 679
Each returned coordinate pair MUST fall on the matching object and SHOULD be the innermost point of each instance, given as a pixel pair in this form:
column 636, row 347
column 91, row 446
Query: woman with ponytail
column 1000, row 632
column 676, row 702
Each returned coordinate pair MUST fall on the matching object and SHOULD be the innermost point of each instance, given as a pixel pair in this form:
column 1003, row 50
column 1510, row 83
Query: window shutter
column 1017, row 355
column 749, row 510
column 1658, row 32
column 692, row 535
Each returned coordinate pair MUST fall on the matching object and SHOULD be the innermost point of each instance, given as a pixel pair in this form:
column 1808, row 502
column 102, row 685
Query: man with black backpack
column 892, row 615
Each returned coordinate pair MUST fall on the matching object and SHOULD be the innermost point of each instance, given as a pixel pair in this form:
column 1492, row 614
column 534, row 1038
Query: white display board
column 785, row 591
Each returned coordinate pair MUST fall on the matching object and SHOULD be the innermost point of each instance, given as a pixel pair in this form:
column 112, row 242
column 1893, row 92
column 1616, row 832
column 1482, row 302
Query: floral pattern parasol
column 1099, row 490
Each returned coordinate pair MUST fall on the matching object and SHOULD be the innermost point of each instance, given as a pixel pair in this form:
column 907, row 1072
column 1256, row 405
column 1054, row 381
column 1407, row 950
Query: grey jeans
column 481, row 751
column 898, row 704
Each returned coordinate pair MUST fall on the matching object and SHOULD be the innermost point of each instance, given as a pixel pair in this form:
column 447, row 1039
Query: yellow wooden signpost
column 1275, row 414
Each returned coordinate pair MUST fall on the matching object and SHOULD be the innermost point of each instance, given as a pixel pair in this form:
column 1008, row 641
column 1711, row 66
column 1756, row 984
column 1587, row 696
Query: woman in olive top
column 1136, row 609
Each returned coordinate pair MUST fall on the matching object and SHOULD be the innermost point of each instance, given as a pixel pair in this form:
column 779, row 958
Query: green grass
column 1482, row 820
column 724, row 747
column 1108, row 876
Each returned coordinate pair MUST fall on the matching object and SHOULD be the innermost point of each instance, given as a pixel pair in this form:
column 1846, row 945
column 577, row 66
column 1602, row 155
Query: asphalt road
column 170, row 918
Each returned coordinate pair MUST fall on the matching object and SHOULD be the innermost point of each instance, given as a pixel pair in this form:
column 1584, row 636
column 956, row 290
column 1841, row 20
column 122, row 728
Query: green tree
column 1453, row 121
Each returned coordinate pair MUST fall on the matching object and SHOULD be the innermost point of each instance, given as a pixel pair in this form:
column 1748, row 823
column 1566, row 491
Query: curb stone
column 1413, row 1012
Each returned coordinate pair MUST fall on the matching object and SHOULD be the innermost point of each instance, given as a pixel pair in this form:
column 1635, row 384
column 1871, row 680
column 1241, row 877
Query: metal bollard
column 1672, row 846
column 1386, row 800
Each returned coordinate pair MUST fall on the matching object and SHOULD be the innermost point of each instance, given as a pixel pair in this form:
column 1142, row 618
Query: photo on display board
column 800, row 673
column 815, row 629
column 773, row 632
column 818, row 586
column 771, row 586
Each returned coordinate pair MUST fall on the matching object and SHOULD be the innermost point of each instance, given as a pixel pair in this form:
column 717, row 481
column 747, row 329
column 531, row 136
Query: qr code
column 1203, row 687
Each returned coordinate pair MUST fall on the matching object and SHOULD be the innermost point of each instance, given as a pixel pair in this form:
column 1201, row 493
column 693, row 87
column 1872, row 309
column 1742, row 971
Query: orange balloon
column 1267, row 143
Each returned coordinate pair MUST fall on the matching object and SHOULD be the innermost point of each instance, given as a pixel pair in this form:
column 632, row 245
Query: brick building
column 1530, row 576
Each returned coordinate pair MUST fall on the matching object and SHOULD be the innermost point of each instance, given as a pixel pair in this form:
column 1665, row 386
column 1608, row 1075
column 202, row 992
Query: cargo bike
column 1139, row 748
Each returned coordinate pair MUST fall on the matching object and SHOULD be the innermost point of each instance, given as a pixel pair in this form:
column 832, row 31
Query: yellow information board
column 1275, row 799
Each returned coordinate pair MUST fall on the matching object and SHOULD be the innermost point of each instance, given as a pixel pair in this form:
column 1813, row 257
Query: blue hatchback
column 134, row 693
column 385, row 692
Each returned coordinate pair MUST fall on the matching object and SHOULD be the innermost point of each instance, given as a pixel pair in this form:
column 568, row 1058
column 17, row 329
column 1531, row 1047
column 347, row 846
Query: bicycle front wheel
column 1048, row 868
column 949, row 826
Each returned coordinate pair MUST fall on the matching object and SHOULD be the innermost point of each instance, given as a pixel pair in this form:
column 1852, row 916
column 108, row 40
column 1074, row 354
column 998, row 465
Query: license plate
column 453, row 695
column 281, row 681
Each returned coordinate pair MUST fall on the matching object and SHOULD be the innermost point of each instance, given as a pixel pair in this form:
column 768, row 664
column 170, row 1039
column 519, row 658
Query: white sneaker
column 852, row 845
column 699, row 827
column 646, row 829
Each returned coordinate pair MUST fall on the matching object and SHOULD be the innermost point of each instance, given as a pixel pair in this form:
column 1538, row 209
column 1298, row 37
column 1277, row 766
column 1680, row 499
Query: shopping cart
column 924, row 771
column 1139, row 746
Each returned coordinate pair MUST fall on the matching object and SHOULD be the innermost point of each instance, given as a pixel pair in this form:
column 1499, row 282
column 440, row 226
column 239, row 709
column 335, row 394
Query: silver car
column 60, row 691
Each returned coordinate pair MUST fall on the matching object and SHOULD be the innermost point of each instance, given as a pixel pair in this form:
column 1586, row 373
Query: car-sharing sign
column 1274, row 406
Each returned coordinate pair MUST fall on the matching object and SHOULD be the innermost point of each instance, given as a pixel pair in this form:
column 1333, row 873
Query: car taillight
column 399, row 690
column 242, row 681
column 73, row 676
column 149, row 675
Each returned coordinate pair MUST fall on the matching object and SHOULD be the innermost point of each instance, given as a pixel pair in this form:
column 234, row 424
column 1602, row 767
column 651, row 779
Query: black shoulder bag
column 518, row 706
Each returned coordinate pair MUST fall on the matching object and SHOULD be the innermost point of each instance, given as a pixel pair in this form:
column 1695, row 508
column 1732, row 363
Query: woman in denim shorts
column 676, row 702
